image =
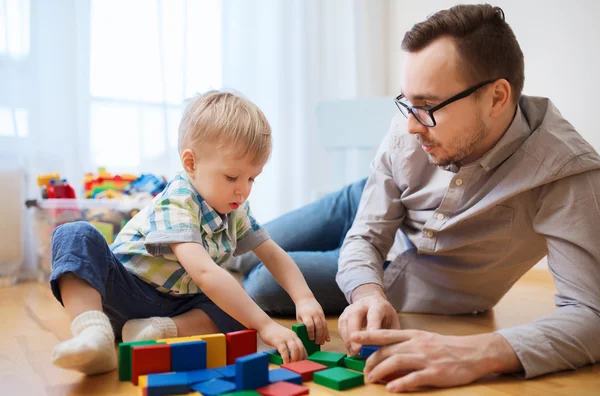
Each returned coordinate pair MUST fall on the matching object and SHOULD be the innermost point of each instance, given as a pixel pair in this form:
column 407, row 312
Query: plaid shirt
column 180, row 214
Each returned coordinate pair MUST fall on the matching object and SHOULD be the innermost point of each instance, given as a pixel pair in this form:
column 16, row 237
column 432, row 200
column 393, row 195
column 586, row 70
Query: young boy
column 161, row 277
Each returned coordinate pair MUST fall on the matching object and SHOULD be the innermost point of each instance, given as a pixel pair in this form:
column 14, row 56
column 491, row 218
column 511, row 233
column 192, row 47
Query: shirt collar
column 210, row 220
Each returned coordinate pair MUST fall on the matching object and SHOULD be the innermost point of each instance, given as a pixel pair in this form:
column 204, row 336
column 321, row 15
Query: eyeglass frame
column 431, row 110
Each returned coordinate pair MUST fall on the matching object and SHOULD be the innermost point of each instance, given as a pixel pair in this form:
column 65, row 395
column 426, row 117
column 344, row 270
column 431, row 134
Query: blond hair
column 224, row 119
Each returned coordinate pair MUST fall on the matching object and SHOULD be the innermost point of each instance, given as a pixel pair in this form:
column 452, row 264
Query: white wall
column 561, row 44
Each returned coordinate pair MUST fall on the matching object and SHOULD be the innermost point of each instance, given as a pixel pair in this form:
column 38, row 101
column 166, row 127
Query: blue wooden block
column 187, row 356
column 214, row 387
column 198, row 376
column 228, row 372
column 282, row 374
column 167, row 384
column 368, row 350
column 252, row 371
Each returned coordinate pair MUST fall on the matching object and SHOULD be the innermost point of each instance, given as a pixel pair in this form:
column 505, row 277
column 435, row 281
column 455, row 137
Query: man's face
column 429, row 77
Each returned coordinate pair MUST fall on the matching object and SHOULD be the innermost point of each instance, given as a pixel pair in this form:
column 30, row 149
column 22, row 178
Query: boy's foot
column 92, row 348
column 153, row 328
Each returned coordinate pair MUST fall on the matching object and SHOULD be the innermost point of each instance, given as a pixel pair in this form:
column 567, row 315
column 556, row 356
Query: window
column 146, row 59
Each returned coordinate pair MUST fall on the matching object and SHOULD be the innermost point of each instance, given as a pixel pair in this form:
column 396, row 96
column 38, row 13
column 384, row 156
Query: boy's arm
column 288, row 275
column 219, row 285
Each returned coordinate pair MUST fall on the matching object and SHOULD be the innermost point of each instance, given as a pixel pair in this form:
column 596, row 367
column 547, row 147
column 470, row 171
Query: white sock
column 92, row 348
column 153, row 328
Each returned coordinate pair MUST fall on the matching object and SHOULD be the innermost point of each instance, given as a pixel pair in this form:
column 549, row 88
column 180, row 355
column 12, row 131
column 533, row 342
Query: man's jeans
column 312, row 236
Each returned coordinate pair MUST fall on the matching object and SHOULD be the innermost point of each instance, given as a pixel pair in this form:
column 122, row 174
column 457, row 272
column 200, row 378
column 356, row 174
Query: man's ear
column 501, row 97
column 188, row 160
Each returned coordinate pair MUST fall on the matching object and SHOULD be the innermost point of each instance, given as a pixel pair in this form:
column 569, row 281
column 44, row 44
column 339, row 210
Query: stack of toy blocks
column 229, row 364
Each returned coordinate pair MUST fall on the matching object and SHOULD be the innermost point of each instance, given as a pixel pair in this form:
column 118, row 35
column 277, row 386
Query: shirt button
column 458, row 182
column 440, row 216
column 487, row 168
column 428, row 234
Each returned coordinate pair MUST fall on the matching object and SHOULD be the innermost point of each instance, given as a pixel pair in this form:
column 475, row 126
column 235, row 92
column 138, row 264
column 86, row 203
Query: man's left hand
column 435, row 360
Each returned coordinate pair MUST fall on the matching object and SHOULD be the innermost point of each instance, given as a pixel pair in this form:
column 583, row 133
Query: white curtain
column 91, row 83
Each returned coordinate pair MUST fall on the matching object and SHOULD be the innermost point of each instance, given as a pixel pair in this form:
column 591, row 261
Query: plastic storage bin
column 108, row 216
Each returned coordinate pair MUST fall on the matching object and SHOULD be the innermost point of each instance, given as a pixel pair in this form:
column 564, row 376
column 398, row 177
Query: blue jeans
column 313, row 236
column 78, row 249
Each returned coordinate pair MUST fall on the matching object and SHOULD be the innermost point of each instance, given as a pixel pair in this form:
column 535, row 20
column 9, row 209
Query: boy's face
column 221, row 177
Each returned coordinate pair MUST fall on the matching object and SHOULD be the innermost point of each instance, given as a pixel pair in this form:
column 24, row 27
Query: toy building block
column 242, row 393
column 282, row 374
column 356, row 363
column 274, row 357
column 197, row 376
column 240, row 343
column 125, row 358
column 214, row 387
column 150, row 359
column 329, row 359
column 283, row 389
column 305, row 368
column 368, row 350
column 252, row 371
column 143, row 381
column 176, row 340
column 216, row 349
column 167, row 384
column 228, row 372
column 187, row 356
column 310, row 346
column 339, row 378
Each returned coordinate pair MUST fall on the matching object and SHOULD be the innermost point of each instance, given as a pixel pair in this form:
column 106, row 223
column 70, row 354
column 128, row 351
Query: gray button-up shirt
column 459, row 238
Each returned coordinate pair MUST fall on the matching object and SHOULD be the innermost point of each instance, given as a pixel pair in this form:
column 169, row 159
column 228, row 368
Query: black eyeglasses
column 425, row 114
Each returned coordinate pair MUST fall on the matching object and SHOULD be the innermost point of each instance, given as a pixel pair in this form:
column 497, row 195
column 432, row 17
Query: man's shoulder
column 554, row 142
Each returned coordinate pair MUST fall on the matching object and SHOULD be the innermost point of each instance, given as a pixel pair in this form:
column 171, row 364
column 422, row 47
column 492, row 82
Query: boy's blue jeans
column 79, row 249
column 313, row 236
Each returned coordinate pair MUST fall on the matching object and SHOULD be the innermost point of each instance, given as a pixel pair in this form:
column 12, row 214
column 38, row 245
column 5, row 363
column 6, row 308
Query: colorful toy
column 166, row 384
column 93, row 185
column 216, row 349
column 125, row 358
column 188, row 356
column 228, row 372
column 197, row 376
column 274, row 357
column 150, row 359
column 305, row 368
column 339, row 378
column 283, row 389
column 214, row 387
column 252, row 371
column 282, row 374
column 240, row 343
column 329, row 359
column 146, row 183
column 368, row 350
column 355, row 363
column 302, row 332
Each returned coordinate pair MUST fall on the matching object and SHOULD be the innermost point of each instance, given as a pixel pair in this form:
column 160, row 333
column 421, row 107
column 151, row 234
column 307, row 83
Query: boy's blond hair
column 217, row 119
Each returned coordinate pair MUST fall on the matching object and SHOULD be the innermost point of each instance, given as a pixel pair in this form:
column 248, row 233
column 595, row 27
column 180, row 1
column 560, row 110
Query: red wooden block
column 305, row 368
column 283, row 389
column 240, row 343
column 149, row 359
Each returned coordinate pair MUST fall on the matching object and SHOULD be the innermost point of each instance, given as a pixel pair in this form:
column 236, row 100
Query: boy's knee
column 77, row 231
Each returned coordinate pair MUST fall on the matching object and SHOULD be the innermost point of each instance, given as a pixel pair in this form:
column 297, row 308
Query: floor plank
column 33, row 322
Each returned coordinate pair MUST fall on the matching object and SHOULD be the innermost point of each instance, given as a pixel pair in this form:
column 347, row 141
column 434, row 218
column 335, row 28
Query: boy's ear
column 188, row 160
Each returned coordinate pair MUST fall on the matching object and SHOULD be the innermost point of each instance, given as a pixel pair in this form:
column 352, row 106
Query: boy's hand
column 285, row 341
column 309, row 312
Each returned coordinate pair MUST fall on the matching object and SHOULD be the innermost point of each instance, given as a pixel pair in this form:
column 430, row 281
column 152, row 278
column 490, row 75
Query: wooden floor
column 32, row 322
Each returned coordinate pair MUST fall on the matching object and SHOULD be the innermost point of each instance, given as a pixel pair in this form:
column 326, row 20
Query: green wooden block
column 338, row 378
column 125, row 358
column 310, row 346
column 242, row 393
column 329, row 359
column 355, row 363
column 275, row 357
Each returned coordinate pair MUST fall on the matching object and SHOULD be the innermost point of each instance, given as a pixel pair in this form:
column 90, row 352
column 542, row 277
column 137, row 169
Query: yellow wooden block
column 175, row 340
column 143, row 381
column 216, row 349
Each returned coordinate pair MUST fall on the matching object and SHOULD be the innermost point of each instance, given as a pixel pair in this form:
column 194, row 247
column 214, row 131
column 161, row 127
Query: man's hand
column 371, row 309
column 421, row 358
column 309, row 312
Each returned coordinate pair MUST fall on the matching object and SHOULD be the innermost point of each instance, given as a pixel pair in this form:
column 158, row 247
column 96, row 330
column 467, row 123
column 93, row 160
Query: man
column 471, row 188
